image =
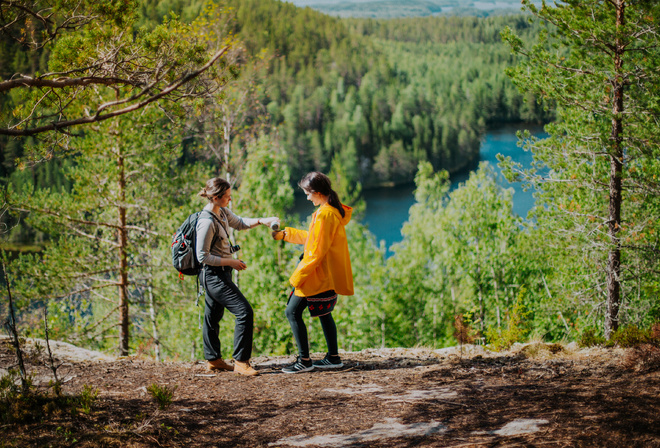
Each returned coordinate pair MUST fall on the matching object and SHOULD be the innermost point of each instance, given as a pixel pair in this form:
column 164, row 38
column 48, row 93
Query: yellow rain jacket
column 326, row 264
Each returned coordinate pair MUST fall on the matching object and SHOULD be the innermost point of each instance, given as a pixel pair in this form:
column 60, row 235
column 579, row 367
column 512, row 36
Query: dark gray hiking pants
column 221, row 293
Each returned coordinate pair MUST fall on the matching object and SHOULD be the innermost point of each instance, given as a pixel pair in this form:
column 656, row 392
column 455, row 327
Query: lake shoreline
column 387, row 208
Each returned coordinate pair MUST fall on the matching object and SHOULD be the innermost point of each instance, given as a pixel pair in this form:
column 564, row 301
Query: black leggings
column 294, row 312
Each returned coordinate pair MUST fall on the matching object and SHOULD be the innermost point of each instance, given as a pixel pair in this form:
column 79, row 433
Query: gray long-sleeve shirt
column 207, row 228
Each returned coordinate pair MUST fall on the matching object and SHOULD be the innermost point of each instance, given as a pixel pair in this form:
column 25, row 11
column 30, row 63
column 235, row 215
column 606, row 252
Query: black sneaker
column 329, row 362
column 299, row 366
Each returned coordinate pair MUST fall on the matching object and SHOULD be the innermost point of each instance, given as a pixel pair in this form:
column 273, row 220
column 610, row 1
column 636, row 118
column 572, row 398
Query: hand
column 269, row 221
column 278, row 235
column 239, row 265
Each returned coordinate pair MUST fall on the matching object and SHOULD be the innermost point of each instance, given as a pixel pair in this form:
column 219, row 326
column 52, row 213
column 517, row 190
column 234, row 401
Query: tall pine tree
column 597, row 61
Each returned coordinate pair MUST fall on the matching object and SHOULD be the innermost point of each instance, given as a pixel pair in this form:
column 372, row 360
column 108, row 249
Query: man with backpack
column 214, row 254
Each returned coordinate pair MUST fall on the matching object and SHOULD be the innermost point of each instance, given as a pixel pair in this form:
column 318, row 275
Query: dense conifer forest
column 399, row 90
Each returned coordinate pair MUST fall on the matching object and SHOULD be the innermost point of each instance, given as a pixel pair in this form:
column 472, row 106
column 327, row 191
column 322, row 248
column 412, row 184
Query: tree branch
column 85, row 222
column 27, row 81
column 98, row 117
column 80, row 291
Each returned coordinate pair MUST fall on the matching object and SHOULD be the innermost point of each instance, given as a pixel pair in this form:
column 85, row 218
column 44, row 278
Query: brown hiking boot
column 244, row 368
column 219, row 364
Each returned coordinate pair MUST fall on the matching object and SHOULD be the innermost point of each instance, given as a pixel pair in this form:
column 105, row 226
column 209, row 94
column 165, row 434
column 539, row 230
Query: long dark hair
column 215, row 187
column 316, row 182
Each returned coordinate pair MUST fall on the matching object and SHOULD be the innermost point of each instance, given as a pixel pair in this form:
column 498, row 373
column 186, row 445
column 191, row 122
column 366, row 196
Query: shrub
column 630, row 336
column 590, row 338
column 655, row 332
column 15, row 404
column 87, row 399
column 162, row 394
column 515, row 330
column 463, row 333
column 31, row 404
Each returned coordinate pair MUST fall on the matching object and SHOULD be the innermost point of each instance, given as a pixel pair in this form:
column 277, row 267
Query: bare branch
column 86, row 222
column 83, row 290
column 98, row 294
column 93, row 237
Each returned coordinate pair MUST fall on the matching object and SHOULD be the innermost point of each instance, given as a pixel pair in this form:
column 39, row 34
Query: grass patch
column 542, row 350
column 24, row 405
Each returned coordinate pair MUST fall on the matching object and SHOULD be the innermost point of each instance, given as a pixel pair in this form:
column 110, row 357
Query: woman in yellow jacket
column 324, row 271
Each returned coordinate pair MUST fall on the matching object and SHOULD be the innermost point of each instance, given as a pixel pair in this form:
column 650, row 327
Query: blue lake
column 387, row 207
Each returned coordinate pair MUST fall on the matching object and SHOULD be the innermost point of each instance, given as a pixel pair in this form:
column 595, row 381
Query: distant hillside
column 388, row 9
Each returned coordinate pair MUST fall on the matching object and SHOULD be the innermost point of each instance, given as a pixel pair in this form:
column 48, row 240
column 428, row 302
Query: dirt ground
column 533, row 395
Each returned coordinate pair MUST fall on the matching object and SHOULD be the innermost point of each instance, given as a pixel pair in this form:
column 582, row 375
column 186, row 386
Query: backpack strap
column 200, row 291
column 214, row 217
column 213, row 240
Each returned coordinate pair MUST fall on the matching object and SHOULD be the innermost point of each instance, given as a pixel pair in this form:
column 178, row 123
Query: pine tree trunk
column 123, row 259
column 615, row 199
